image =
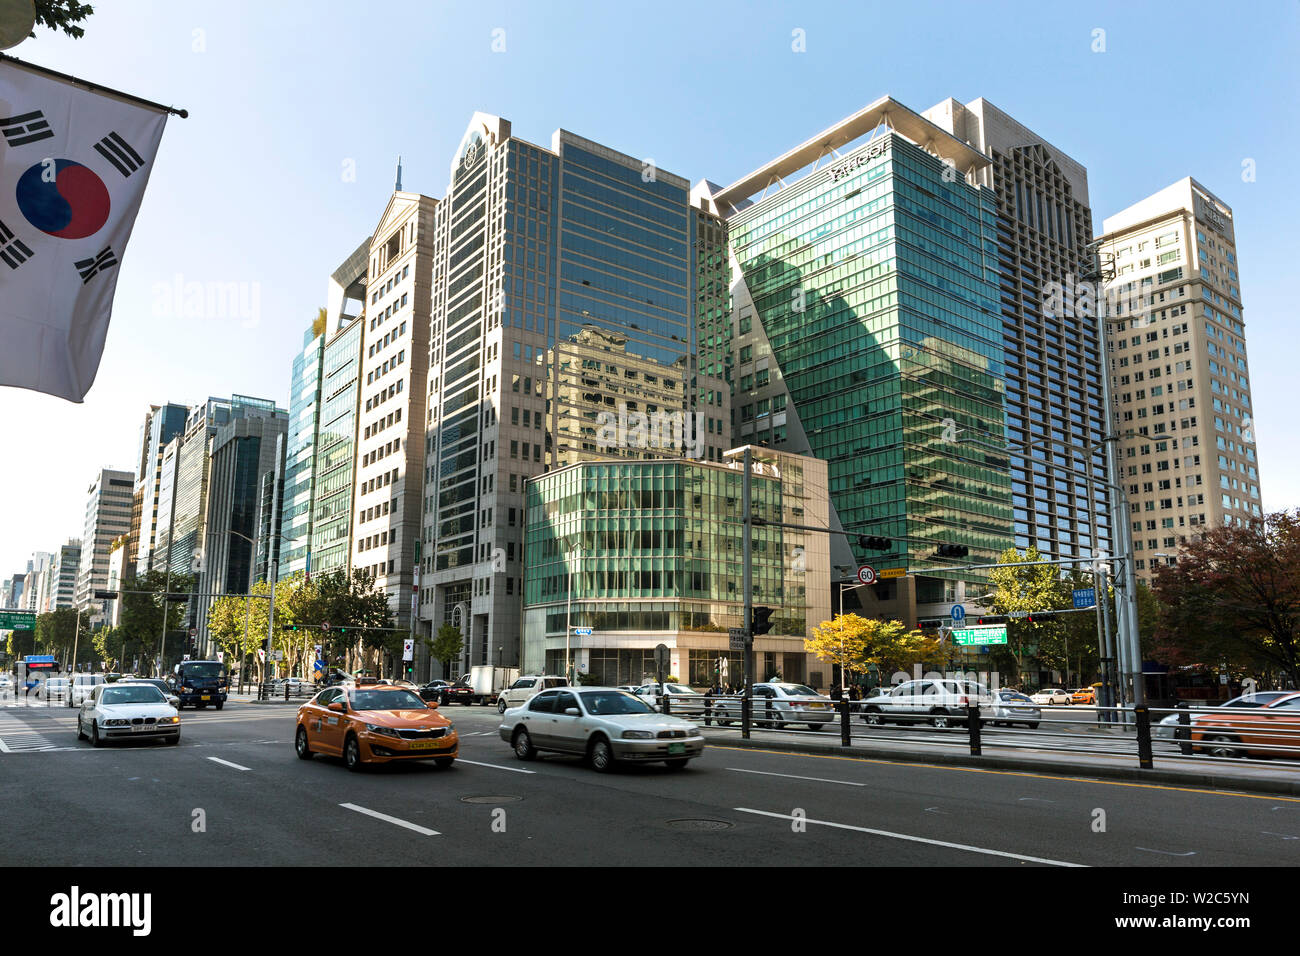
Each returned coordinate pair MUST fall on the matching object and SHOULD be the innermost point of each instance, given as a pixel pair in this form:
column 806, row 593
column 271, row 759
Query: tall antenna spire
column 398, row 187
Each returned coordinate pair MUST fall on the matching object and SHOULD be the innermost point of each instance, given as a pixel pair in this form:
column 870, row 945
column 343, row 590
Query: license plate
column 819, row 706
column 206, row 697
column 137, row 728
column 423, row 744
column 677, row 748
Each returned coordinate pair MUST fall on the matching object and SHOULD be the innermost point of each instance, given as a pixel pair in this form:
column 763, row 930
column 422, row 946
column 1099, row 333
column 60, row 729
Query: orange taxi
column 1084, row 695
column 1272, row 730
column 374, row 723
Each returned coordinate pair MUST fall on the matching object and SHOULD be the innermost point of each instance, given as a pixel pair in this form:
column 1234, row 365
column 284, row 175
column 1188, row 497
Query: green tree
column 856, row 643
column 63, row 15
column 21, row 643
column 349, row 603
column 1025, row 590
column 447, row 646
column 58, row 631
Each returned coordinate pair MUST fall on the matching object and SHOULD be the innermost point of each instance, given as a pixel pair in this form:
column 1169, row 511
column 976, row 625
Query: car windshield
column 797, row 690
column 132, row 694
column 205, row 669
column 386, row 699
column 605, row 702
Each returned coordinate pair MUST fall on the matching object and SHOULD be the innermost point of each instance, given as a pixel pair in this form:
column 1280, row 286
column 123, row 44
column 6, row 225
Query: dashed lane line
column 387, row 819
column 227, row 763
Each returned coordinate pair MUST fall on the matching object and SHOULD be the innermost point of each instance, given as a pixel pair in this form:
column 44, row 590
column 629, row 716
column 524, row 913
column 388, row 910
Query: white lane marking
column 227, row 763
column 934, row 810
column 494, row 766
column 387, row 819
column 914, row 839
column 1165, row 852
column 3, row 748
column 847, row 783
column 1284, row 836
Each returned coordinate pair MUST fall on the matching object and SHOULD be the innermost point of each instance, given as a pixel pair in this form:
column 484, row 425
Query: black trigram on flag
column 13, row 251
column 119, row 152
column 89, row 268
column 28, row 128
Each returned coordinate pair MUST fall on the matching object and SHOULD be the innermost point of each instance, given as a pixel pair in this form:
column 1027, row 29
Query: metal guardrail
column 286, row 690
column 1252, row 736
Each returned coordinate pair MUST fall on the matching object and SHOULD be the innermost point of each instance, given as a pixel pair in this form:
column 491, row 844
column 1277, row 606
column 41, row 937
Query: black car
column 434, row 690
column 458, row 693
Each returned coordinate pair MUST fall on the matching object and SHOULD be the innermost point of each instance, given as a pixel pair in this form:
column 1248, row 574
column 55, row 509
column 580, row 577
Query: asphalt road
column 235, row 772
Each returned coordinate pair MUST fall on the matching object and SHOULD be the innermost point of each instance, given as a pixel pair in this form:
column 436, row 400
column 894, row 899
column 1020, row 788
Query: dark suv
column 200, row 683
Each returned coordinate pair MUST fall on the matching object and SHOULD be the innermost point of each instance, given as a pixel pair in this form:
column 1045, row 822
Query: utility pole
column 749, row 579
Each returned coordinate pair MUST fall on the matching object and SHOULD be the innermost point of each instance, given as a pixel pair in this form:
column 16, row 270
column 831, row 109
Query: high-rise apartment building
column 1180, row 382
column 161, row 424
column 868, row 333
column 1051, row 355
column 300, row 453
column 569, row 286
column 108, row 517
column 64, row 567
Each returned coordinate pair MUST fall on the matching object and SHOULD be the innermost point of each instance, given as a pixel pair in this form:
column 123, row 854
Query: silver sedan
column 603, row 724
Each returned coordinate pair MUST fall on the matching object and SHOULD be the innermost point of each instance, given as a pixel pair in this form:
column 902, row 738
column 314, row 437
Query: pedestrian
column 837, row 692
column 855, row 692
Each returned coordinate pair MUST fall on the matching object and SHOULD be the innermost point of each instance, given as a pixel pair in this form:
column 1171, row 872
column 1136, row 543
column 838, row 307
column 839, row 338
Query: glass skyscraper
column 869, row 334
column 300, row 455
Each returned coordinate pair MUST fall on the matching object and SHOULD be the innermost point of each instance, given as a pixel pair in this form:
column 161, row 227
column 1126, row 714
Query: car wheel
column 81, row 733
column 524, row 748
column 1032, row 726
column 301, row 744
column 940, row 720
column 1217, row 745
column 220, row 704
column 678, row 764
column 601, row 755
column 352, row 754
column 444, row 762
column 873, row 717
column 501, row 706
column 816, row 726
column 94, row 735
column 175, row 741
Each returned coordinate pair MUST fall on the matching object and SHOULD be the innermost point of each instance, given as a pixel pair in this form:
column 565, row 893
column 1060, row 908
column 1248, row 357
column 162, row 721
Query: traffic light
column 105, row 595
column 951, row 551
column 1029, row 619
column 761, row 622
column 874, row 543
column 992, row 619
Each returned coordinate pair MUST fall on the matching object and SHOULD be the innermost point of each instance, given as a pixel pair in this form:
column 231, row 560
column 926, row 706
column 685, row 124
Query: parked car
column 1167, row 728
column 685, row 700
column 433, row 690
column 1051, row 696
column 374, row 723
column 603, row 724
column 942, row 703
column 525, row 687
column 1257, row 732
column 1011, row 707
column 777, row 703
column 127, row 710
column 458, row 693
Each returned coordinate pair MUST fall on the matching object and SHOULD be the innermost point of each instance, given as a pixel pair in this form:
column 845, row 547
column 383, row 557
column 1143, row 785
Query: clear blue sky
column 250, row 188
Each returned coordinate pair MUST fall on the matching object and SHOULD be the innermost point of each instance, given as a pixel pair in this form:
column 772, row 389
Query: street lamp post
column 575, row 554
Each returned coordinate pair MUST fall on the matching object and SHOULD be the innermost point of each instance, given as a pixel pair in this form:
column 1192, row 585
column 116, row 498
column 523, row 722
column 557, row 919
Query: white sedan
column 603, row 724
column 777, row 704
column 1051, row 695
column 683, row 699
column 137, row 711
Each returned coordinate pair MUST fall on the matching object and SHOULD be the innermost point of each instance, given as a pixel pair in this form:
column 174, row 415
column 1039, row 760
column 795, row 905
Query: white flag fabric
column 73, row 168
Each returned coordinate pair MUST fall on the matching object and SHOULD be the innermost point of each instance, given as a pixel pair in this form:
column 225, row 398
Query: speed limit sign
column 867, row 574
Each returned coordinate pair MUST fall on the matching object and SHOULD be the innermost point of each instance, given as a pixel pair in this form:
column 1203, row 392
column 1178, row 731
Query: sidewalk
column 1004, row 752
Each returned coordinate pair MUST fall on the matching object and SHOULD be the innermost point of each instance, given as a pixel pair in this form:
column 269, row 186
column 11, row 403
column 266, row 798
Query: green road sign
column 17, row 620
column 979, row 636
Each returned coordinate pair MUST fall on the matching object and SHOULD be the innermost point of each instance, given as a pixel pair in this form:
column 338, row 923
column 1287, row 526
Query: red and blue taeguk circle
column 72, row 204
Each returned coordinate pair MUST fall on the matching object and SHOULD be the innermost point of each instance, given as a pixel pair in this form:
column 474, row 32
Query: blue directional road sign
column 582, row 631
column 1085, row 597
column 958, row 613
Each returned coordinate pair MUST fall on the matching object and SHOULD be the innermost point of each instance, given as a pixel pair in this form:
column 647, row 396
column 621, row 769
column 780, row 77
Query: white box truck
column 488, row 681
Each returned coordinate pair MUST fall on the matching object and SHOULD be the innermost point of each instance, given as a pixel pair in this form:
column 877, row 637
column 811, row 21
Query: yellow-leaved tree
column 855, row 643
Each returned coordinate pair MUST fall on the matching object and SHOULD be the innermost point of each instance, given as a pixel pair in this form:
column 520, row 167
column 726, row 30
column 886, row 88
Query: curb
column 1212, row 781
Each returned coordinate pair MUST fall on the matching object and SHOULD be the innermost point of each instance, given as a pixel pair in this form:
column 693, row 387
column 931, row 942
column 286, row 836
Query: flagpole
column 93, row 87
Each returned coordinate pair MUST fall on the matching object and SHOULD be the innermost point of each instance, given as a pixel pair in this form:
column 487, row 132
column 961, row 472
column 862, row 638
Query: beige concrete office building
column 1180, row 381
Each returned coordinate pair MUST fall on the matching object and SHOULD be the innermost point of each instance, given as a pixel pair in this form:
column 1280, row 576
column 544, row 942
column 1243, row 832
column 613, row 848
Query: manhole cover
column 700, row 824
column 490, row 799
